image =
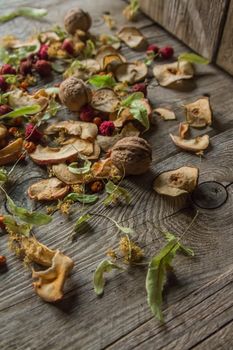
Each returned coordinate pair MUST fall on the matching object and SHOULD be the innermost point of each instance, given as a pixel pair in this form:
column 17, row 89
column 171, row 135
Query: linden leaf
column 192, row 58
column 139, row 112
column 116, row 193
column 132, row 97
column 74, row 169
column 24, row 12
column 33, row 218
column 3, row 175
column 20, row 112
column 18, row 229
column 102, row 81
column 82, row 198
column 98, row 279
column 169, row 237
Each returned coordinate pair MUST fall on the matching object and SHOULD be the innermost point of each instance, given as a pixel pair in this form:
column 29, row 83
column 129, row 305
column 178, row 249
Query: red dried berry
column 7, row 69
column 86, row 113
column 2, row 260
column 68, row 46
column 3, row 84
column 97, row 121
column 140, row 87
column 166, row 52
column 43, row 68
column 32, row 133
column 107, row 128
column 152, row 47
column 4, row 109
column 43, row 52
column 25, row 67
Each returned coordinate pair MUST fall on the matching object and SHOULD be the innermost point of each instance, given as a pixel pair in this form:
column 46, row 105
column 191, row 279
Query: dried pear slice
column 48, row 190
column 131, row 72
column 176, row 182
column 167, row 74
column 105, row 100
column 132, row 37
column 197, row 145
column 165, row 113
column 198, row 113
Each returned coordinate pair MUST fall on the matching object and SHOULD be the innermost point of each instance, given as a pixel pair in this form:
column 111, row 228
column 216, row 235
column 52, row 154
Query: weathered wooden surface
column 198, row 310
column 224, row 58
column 197, row 23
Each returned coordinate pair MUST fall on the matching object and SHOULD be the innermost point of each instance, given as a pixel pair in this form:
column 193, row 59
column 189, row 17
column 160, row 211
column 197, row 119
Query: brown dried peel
column 133, row 38
column 131, row 72
column 196, row 145
column 168, row 74
column 176, row 182
column 198, row 113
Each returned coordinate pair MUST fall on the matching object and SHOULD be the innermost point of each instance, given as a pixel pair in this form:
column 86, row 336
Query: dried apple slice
column 132, row 37
column 48, row 155
column 106, row 51
column 84, row 70
column 105, row 100
column 165, row 113
column 198, row 113
column 86, row 131
column 131, row 72
column 176, row 182
column 167, row 74
column 11, row 152
column 197, row 145
column 17, row 98
column 48, row 190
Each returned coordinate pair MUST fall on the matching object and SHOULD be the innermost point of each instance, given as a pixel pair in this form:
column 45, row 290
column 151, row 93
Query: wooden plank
column 197, row 23
column 224, row 58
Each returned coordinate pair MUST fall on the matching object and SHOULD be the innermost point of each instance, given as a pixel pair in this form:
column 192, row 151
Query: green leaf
column 133, row 97
column 52, row 90
column 156, row 277
column 193, row 58
column 20, row 112
column 33, row 218
column 11, row 78
column 124, row 229
column 60, row 32
column 18, row 229
column 102, row 81
column 139, row 112
column 98, row 279
column 134, row 5
column 82, row 198
column 169, row 237
column 116, row 193
column 58, row 67
column 74, row 169
column 81, row 220
column 89, row 50
column 4, row 98
column 24, row 12
column 3, row 175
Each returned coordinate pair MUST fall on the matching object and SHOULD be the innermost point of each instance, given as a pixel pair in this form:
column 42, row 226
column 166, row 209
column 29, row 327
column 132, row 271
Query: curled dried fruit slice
column 105, row 100
column 11, row 152
column 165, row 113
column 133, row 38
column 48, row 155
column 48, row 190
column 131, row 72
column 62, row 173
column 3, row 132
column 176, row 182
column 86, row 131
column 17, row 98
column 168, row 74
column 197, row 145
column 84, row 69
column 107, row 50
column 198, row 113
column 110, row 62
column 183, row 129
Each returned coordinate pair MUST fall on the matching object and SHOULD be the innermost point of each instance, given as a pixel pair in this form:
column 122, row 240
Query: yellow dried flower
column 78, row 188
column 131, row 251
column 65, row 206
column 78, row 48
column 111, row 253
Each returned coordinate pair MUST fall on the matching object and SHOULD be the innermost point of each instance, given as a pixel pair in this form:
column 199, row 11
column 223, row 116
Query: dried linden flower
column 131, row 251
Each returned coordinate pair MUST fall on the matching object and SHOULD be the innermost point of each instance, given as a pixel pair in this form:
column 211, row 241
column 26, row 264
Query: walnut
column 77, row 19
column 74, row 93
column 132, row 155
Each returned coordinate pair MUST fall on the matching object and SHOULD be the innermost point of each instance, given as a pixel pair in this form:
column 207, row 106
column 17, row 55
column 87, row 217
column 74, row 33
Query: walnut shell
column 77, row 19
column 132, row 155
column 74, row 93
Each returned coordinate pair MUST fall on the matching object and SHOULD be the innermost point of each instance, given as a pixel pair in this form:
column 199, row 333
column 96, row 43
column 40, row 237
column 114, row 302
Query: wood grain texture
column 197, row 23
column 225, row 58
column 200, row 304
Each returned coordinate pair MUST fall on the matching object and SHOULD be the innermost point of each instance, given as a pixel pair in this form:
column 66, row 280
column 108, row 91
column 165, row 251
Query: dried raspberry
column 7, row 69
column 152, row 47
column 107, row 128
column 4, row 109
column 32, row 133
column 3, row 84
column 2, row 260
column 140, row 87
column 68, row 46
column 86, row 113
column 25, row 67
column 43, row 67
column 166, row 52
column 43, row 52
